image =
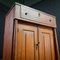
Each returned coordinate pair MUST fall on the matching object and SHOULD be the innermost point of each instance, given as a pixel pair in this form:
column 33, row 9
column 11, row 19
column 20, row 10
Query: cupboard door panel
column 46, row 46
column 26, row 43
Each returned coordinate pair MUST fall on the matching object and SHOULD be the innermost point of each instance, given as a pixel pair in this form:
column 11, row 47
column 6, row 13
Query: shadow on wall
column 51, row 7
column 1, row 33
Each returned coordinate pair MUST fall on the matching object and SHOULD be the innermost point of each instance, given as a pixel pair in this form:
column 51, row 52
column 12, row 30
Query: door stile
column 15, row 40
column 38, row 42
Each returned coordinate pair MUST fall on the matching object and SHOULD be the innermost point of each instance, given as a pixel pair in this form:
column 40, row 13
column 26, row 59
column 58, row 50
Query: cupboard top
column 29, row 14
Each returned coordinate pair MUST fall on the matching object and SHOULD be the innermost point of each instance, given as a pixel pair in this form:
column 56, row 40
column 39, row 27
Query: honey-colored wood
column 46, row 43
column 46, row 46
column 26, row 43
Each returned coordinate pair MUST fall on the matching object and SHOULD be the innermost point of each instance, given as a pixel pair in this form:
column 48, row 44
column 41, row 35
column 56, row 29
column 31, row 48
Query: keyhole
column 25, row 13
column 38, row 14
column 49, row 20
column 37, row 45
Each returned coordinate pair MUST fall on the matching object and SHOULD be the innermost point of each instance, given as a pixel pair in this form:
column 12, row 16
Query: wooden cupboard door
column 46, row 46
column 26, row 43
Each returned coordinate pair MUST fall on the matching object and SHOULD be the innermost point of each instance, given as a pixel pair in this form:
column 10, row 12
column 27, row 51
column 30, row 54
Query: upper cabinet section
column 29, row 14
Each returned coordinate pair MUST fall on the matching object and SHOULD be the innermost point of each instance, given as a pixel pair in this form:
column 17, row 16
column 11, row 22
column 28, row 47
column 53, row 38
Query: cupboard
column 29, row 34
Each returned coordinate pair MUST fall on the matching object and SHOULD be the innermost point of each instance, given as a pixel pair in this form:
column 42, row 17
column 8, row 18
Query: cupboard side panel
column 56, row 44
column 8, row 34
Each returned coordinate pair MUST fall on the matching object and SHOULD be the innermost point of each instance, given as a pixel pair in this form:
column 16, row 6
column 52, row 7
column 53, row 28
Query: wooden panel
column 8, row 35
column 26, row 43
column 29, row 14
column 47, row 20
column 47, row 51
column 38, row 16
column 17, row 11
